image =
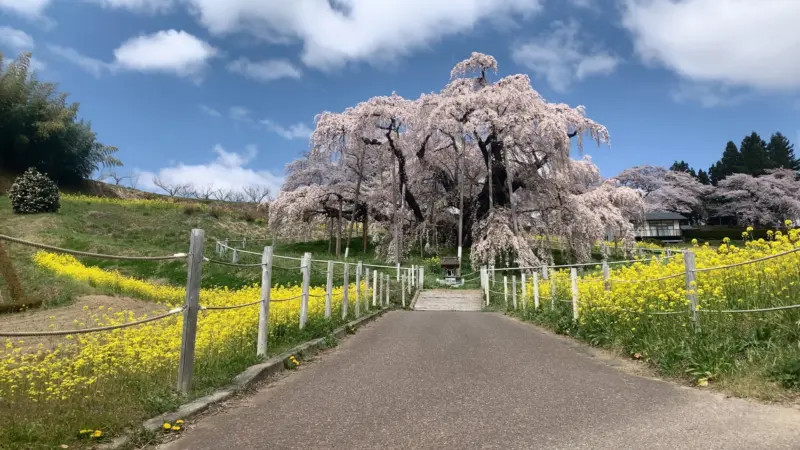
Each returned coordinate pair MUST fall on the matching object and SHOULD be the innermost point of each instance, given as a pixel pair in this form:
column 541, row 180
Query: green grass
column 142, row 230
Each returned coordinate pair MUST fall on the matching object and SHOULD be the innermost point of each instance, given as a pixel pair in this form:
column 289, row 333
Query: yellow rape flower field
column 642, row 316
column 109, row 380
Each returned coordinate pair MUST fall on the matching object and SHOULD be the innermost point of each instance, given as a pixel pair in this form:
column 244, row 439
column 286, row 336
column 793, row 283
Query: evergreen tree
column 682, row 166
column 753, row 151
column 781, row 152
column 702, row 176
column 731, row 162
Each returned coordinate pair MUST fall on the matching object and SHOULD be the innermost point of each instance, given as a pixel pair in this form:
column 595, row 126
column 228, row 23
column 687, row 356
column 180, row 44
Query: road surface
column 469, row 380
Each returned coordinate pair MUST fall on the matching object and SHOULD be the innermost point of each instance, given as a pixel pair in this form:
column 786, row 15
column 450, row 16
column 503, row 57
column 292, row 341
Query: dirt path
column 64, row 318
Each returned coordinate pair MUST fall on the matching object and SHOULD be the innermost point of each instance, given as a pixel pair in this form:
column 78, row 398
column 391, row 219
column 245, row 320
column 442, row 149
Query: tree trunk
column 330, row 234
column 365, row 232
column 8, row 273
column 511, row 193
column 358, row 194
column 339, row 229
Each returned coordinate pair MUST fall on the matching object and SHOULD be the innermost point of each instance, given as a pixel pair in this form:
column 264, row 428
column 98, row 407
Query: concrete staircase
column 449, row 300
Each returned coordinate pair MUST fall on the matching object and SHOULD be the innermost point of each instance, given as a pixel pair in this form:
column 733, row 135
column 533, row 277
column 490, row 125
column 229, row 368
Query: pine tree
column 702, row 176
column 682, row 166
column 781, row 152
column 753, row 151
column 731, row 162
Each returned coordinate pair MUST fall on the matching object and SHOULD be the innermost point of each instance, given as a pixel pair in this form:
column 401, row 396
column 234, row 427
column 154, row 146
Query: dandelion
column 176, row 428
column 166, row 426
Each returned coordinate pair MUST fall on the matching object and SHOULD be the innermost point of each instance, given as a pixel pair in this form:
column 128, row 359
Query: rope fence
column 89, row 254
column 90, row 330
column 369, row 282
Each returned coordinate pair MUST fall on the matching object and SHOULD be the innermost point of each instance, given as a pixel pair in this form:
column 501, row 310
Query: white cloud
column 91, row 65
column 751, row 43
column 170, row 51
column 173, row 52
column 267, row 70
column 559, row 57
column 228, row 171
column 335, row 33
column 143, row 6
column 296, row 131
column 239, row 113
column 16, row 40
column 709, row 95
column 25, row 8
column 210, row 111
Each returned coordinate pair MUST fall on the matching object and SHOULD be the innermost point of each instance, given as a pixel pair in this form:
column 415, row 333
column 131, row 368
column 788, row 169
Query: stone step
column 449, row 300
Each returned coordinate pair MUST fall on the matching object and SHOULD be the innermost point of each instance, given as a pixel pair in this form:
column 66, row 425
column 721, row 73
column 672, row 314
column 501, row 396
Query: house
column 661, row 225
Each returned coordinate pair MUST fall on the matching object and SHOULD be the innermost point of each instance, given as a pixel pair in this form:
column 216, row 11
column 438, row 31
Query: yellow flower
column 97, row 433
column 176, row 428
column 749, row 229
column 179, row 422
column 166, row 426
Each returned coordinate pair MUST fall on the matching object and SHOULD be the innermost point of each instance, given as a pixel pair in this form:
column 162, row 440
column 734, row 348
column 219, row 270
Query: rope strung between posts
column 216, row 308
column 223, row 263
column 668, row 277
column 90, row 254
column 732, row 311
column 90, row 330
column 752, row 261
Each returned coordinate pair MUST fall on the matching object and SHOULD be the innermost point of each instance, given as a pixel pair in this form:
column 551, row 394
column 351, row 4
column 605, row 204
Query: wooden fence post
column 524, row 292
column 403, row 289
column 606, row 275
column 398, row 271
column 421, row 278
column 192, row 305
column 374, row 287
column 388, row 288
column 491, row 269
column 486, row 284
column 535, row 290
column 329, row 291
column 263, row 312
column 306, row 268
column 235, row 257
column 573, row 274
column 505, row 289
column 514, row 290
column 552, row 276
column 408, row 280
column 346, row 291
column 380, row 289
column 544, row 273
column 691, row 285
column 359, row 267
column 366, row 290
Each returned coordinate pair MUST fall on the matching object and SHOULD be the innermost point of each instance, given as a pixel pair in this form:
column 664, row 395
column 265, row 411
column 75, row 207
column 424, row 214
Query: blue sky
column 227, row 90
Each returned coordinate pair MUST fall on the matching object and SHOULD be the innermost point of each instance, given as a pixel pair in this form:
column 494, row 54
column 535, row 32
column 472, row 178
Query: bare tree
column 117, row 177
column 237, row 197
column 133, row 180
column 255, row 193
column 222, row 194
column 172, row 190
column 205, row 192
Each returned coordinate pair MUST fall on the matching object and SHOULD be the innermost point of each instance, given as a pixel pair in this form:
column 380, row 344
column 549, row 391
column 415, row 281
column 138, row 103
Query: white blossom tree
column 766, row 200
column 497, row 144
column 667, row 190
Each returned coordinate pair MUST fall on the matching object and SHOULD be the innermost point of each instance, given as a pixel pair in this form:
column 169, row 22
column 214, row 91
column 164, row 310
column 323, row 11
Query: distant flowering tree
column 667, row 190
column 766, row 200
column 498, row 145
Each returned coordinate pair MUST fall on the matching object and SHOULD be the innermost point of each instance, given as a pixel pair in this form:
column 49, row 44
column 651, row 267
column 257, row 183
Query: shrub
column 33, row 192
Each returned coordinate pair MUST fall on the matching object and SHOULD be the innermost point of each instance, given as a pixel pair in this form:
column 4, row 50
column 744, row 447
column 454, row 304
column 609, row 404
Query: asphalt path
column 468, row 380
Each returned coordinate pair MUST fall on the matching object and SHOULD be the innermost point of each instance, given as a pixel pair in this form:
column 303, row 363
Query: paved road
column 467, row 380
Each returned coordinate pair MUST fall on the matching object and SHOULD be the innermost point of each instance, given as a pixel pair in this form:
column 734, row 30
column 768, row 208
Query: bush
column 33, row 192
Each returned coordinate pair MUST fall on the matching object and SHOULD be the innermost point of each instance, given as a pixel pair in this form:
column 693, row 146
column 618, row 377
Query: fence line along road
column 192, row 306
column 690, row 275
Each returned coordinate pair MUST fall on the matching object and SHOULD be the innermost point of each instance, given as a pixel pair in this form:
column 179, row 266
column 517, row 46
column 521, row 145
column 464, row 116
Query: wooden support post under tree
column 192, row 307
